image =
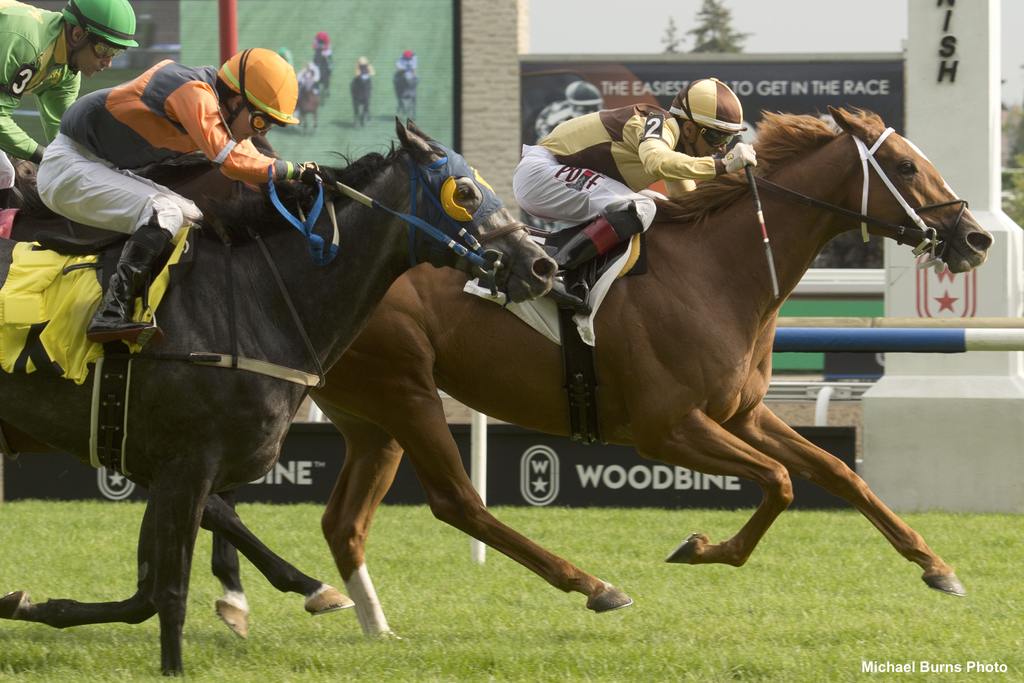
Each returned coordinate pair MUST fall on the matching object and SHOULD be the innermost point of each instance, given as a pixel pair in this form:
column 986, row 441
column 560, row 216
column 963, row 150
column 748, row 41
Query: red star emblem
column 946, row 301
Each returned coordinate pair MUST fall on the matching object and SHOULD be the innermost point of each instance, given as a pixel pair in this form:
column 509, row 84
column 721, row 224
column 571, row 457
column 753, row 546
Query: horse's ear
column 411, row 125
column 414, row 143
column 857, row 126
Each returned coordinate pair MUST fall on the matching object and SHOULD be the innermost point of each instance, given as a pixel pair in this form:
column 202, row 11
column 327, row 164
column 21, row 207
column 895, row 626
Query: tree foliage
column 1013, row 164
column 1013, row 195
column 671, row 39
column 714, row 31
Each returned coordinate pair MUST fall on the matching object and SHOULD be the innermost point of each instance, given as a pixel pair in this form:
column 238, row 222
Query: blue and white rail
column 898, row 339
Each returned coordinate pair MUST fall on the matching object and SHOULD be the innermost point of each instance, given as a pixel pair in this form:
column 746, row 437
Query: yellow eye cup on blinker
column 452, row 207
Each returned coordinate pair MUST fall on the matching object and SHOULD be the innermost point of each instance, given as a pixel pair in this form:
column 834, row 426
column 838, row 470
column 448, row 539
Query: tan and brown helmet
column 710, row 103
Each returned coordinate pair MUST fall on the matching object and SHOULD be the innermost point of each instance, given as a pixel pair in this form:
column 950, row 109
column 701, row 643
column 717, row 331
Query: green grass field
column 823, row 592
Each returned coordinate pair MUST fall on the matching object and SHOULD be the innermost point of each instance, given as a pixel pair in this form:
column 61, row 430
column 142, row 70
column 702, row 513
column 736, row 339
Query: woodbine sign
column 524, row 468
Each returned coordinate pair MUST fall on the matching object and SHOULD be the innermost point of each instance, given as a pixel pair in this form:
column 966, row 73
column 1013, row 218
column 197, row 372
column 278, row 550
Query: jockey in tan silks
column 595, row 167
column 168, row 111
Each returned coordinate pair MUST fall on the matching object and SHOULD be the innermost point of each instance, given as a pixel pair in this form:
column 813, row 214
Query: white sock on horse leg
column 368, row 610
column 236, row 599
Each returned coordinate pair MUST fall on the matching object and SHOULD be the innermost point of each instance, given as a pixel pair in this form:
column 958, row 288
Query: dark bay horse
column 198, row 179
column 683, row 358
column 361, row 89
column 198, row 430
column 406, row 85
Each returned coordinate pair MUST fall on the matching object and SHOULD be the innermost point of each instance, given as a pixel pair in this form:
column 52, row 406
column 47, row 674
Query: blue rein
column 316, row 242
column 472, row 252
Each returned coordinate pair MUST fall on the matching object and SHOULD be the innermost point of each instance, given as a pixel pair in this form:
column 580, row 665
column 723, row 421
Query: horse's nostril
column 979, row 241
column 544, row 267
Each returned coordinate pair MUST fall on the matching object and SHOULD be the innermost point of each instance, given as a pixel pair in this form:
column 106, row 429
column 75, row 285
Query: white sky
column 812, row 26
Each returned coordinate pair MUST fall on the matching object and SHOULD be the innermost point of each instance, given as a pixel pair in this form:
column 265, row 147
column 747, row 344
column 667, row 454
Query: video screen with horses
column 358, row 67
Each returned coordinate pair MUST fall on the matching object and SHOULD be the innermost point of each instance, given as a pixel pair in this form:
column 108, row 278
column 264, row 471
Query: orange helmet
column 265, row 80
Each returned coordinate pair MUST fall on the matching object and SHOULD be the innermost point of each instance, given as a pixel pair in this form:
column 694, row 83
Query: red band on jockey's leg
column 7, row 222
column 602, row 234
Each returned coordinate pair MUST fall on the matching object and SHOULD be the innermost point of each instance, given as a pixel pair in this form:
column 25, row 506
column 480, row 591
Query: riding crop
column 764, row 231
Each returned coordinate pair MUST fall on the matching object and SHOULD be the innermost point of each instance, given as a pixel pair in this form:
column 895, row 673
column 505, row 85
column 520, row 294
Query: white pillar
column 945, row 432
column 478, row 474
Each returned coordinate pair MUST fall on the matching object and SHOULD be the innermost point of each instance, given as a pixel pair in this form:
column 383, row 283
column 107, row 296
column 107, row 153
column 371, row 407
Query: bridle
column 425, row 215
column 924, row 237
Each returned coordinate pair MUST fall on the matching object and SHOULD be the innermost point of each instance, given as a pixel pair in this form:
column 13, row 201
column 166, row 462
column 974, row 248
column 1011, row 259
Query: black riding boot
column 619, row 222
column 112, row 320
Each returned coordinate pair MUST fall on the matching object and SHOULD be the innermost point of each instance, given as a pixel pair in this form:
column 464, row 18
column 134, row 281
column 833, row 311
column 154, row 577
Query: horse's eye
column 465, row 190
column 907, row 168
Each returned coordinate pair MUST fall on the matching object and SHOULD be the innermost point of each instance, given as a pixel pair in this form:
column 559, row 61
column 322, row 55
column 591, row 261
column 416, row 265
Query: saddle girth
column 109, row 426
column 580, row 381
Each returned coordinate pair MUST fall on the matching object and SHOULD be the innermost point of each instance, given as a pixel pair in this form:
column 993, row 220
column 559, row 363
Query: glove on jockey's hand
column 739, row 157
column 309, row 173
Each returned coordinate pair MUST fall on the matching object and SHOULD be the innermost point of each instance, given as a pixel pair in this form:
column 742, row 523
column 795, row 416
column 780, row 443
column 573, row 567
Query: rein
column 305, row 225
column 488, row 261
column 899, row 231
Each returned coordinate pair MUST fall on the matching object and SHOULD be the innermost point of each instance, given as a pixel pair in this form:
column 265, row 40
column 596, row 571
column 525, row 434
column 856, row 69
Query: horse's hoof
column 947, row 583
column 327, row 599
column 236, row 618
column 13, row 603
column 608, row 598
column 687, row 552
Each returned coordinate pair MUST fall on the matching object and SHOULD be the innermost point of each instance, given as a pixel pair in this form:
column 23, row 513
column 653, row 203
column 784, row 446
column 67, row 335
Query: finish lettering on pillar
column 947, row 45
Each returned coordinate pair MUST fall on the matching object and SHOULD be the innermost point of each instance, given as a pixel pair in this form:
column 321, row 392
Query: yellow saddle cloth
column 46, row 304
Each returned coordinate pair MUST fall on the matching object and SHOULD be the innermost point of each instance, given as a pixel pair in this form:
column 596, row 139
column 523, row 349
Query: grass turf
column 822, row 593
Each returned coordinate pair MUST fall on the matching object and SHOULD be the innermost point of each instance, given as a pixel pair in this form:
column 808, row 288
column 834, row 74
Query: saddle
column 49, row 295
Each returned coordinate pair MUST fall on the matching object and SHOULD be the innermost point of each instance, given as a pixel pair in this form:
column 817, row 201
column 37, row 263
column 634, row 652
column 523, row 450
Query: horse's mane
column 780, row 139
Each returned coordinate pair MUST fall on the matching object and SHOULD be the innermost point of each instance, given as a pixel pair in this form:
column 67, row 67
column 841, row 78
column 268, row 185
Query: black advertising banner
column 554, row 91
column 523, row 468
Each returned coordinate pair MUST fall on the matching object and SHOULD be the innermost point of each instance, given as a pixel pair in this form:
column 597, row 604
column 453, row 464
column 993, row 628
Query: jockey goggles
column 258, row 121
column 717, row 138
column 104, row 50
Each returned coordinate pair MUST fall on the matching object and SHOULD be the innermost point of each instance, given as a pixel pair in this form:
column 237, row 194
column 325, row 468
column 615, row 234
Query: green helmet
column 111, row 20
column 286, row 55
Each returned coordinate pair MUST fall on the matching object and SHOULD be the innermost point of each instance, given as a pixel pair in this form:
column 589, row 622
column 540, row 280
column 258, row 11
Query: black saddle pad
column 74, row 245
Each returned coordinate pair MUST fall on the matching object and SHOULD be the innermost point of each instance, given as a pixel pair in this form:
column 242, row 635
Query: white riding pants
column 6, row 172
column 546, row 188
column 79, row 185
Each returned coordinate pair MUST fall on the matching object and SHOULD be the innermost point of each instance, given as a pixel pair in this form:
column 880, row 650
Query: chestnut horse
column 683, row 356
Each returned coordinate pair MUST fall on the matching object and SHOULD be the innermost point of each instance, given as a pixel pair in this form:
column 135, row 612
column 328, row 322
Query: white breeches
column 77, row 184
column 548, row 189
column 6, row 172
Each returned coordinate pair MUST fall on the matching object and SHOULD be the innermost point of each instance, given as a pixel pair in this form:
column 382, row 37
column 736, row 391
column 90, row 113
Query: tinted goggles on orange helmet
column 258, row 120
